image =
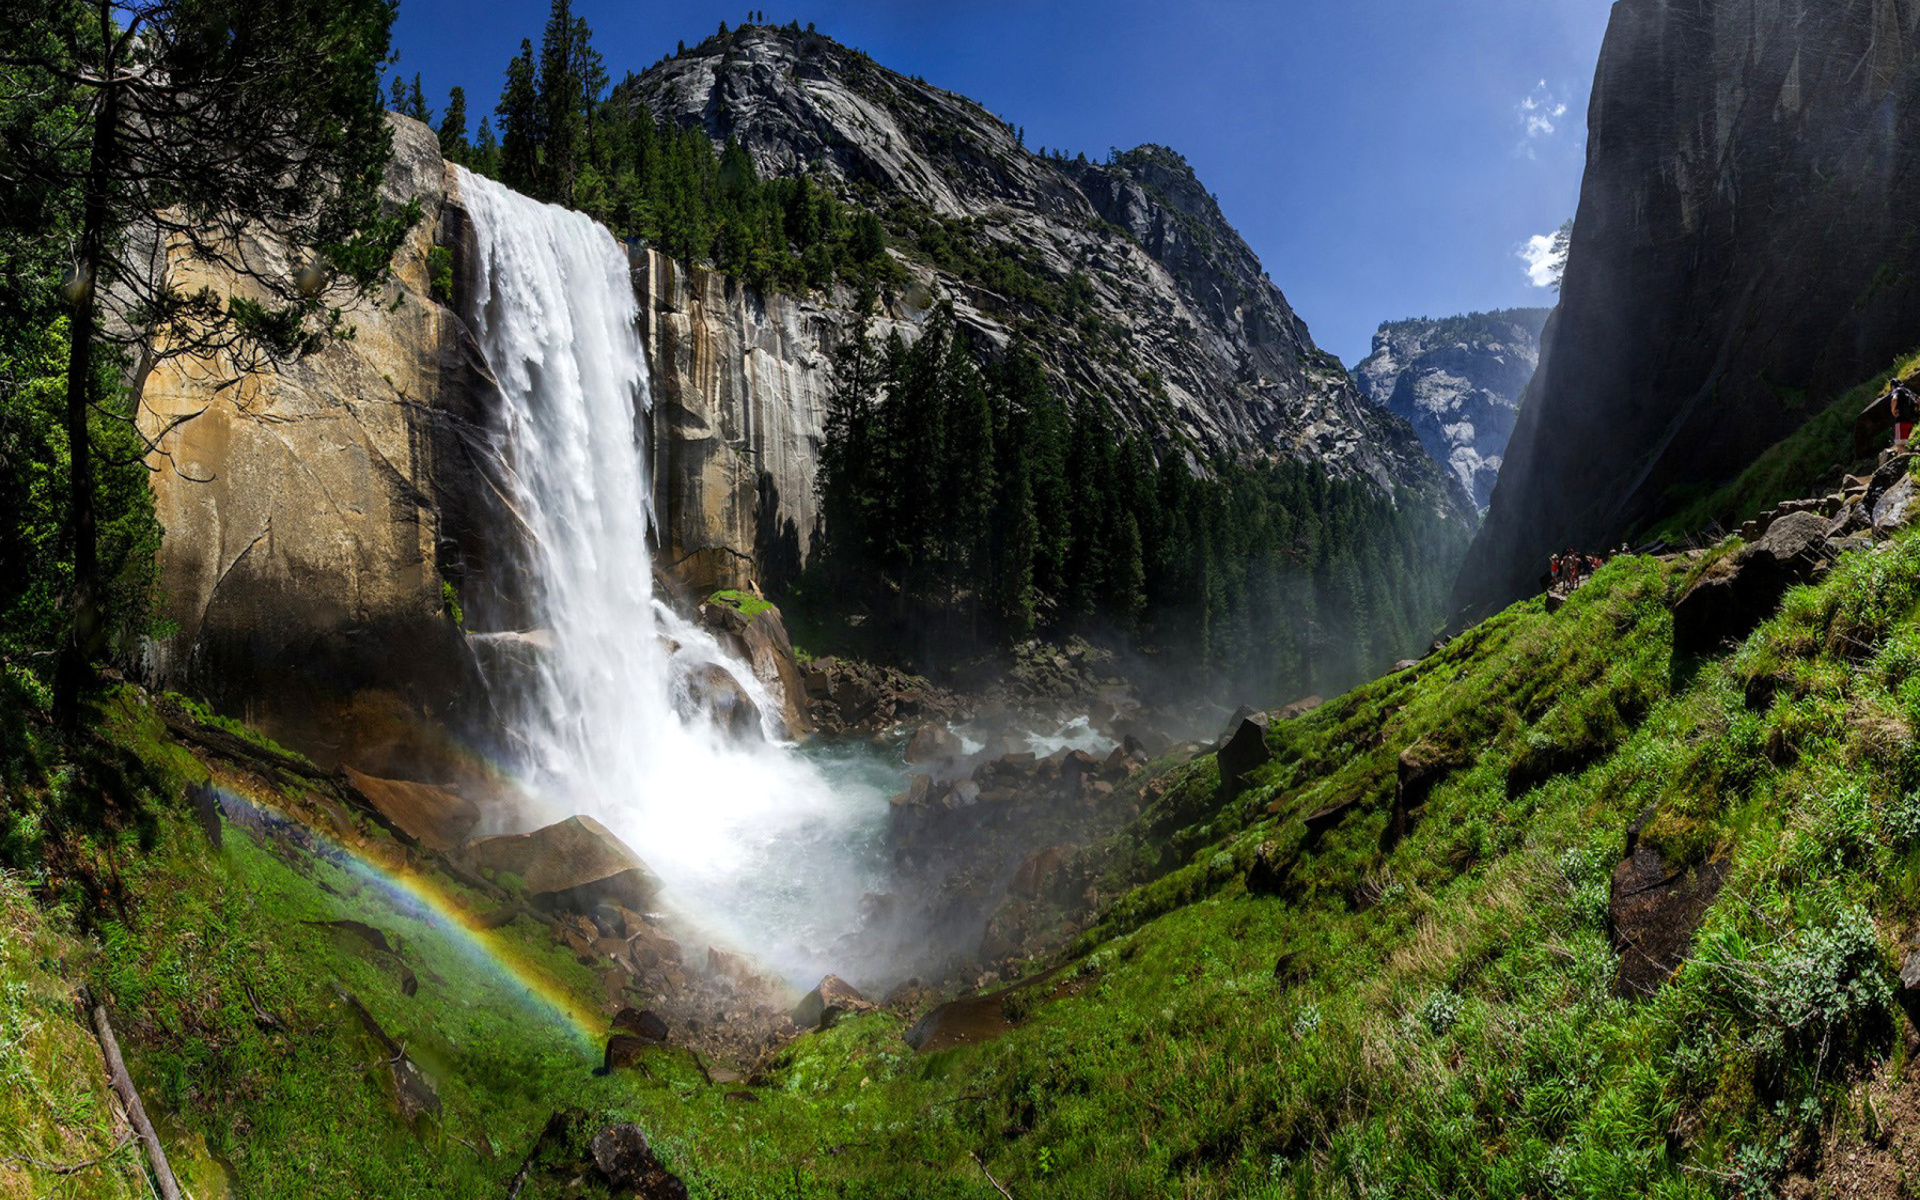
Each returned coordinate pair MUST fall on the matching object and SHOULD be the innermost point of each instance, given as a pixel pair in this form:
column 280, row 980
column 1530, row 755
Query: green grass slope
column 1429, row 1015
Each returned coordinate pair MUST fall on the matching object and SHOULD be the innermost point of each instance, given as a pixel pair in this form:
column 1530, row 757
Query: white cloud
column 1543, row 262
column 1539, row 113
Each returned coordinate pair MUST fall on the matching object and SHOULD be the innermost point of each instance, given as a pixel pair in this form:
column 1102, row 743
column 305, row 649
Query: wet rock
column 1075, row 766
column 1910, row 972
column 206, row 811
column 1653, row 912
column 933, row 743
column 1298, row 709
column 625, row 1050
column 1243, row 713
column 709, row 692
column 623, row 1159
column 1040, row 874
column 725, row 964
column 1245, row 751
column 761, row 641
column 827, row 1003
column 573, row 866
column 432, row 816
column 414, row 1095
column 1421, row 767
column 1738, row 592
column 641, row 1023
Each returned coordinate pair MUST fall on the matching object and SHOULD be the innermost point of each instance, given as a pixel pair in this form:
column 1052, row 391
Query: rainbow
column 426, row 896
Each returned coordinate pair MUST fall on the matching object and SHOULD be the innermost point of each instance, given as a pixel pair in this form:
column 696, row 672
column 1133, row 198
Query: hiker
column 1906, row 409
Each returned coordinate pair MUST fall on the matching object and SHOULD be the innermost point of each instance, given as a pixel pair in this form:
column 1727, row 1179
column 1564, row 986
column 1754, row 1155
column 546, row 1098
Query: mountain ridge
column 1125, row 275
column 1457, row 381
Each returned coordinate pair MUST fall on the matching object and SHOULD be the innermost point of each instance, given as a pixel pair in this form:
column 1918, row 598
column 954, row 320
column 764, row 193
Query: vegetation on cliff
column 964, row 505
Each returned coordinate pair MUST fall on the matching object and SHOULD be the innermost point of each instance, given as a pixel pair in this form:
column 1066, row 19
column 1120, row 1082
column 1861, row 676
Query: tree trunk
column 83, row 637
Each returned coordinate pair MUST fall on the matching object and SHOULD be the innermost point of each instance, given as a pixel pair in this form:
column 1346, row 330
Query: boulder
column 641, row 1023
column 629, row 1166
column 431, row 816
column 1040, row 874
column 827, row 1003
column 758, row 634
column 573, row 865
column 1077, row 765
column 1243, row 713
column 1268, row 874
column 1299, row 708
column 708, row 691
column 1243, row 752
column 1895, row 508
column 1739, row 591
column 625, row 1050
column 1653, row 911
column 1421, row 766
column 933, row 743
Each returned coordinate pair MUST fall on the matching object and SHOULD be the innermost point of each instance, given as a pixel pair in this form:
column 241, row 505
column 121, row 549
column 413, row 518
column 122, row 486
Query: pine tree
column 485, row 158
column 520, row 124
column 417, row 103
column 453, row 127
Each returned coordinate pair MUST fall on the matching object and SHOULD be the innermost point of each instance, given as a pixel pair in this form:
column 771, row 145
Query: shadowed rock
column 1245, row 751
column 1653, row 913
column 434, row 817
column 622, row 1157
column 574, row 865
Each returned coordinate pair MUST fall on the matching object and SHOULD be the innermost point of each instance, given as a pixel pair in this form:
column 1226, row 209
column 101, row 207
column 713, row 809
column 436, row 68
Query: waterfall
column 749, row 837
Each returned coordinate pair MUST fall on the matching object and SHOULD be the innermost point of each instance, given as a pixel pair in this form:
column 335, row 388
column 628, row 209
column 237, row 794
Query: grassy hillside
column 1436, row 1014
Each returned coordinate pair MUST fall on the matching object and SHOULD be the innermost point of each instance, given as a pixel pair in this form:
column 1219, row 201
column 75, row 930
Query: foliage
column 36, row 565
column 748, row 604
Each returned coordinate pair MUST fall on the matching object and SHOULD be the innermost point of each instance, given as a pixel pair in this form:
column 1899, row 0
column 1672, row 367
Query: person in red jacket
column 1906, row 410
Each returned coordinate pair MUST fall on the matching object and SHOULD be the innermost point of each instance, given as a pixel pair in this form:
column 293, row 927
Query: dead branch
column 168, row 1187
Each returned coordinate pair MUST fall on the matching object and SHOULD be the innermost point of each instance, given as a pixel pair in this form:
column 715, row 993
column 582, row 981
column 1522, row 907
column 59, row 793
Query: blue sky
column 1384, row 158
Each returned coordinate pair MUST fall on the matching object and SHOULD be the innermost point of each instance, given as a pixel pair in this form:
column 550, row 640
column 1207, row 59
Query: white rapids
column 751, row 839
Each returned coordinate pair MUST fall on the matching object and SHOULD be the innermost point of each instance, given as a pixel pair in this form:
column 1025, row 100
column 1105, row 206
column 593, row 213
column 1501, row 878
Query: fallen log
column 168, row 1187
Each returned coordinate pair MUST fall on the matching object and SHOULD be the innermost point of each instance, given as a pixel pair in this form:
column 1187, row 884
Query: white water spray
column 750, row 839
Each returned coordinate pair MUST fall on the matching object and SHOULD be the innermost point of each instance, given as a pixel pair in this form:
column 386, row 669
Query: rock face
column 740, row 384
column 1737, row 261
column 1171, row 318
column 306, row 511
column 573, row 865
column 1457, row 381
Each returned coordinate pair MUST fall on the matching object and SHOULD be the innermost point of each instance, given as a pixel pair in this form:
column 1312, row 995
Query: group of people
column 1569, row 569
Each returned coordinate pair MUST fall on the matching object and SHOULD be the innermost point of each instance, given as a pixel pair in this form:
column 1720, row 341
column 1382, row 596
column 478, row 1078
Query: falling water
column 749, row 837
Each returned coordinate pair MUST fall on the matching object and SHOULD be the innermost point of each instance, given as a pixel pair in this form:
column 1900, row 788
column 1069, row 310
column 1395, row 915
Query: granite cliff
column 1743, row 252
column 1457, row 381
column 314, row 516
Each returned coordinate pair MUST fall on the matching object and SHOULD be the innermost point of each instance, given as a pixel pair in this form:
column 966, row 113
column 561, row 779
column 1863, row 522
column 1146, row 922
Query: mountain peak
column 1124, row 274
